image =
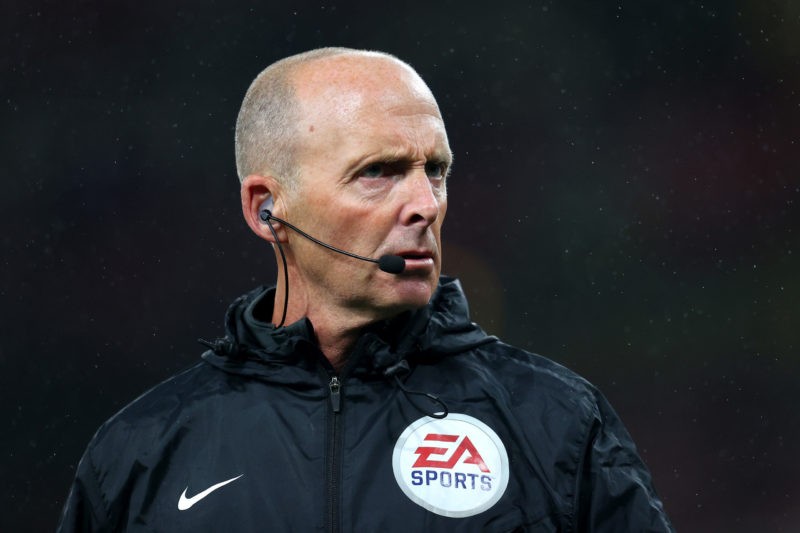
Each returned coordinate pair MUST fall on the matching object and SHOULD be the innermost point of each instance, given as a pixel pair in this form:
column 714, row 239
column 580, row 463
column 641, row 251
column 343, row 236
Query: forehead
column 369, row 103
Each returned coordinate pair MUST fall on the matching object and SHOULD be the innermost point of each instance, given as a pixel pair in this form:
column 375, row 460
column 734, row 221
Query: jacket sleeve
column 615, row 491
column 85, row 509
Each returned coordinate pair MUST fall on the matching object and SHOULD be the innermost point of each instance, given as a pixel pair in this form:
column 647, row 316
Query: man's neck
column 337, row 333
column 336, row 328
column 336, row 345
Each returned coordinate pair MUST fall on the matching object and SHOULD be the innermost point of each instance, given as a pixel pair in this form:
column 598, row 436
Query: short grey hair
column 266, row 125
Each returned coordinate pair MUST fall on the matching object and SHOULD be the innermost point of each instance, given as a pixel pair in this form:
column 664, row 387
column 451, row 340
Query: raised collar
column 439, row 329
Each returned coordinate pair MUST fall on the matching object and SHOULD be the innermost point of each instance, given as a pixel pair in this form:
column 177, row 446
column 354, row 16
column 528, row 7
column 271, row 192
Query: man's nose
column 422, row 204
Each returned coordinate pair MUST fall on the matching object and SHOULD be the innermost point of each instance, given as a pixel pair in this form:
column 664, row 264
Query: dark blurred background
column 624, row 200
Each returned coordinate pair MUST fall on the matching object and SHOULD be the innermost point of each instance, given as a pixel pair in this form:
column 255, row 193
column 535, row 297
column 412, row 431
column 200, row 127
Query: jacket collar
column 441, row 328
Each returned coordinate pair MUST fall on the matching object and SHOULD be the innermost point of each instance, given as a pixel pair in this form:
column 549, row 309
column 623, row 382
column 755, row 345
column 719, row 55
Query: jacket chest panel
column 281, row 448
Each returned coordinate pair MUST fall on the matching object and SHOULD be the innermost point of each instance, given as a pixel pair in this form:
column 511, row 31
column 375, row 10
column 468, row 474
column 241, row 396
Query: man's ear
column 256, row 191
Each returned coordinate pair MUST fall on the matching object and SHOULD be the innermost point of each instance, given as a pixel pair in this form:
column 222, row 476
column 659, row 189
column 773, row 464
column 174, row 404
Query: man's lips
column 415, row 253
column 417, row 259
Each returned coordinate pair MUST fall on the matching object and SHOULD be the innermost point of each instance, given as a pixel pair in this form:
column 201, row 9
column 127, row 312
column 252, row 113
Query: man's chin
column 411, row 294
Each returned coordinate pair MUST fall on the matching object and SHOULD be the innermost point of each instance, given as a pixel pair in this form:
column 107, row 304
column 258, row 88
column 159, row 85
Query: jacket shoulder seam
column 583, row 454
column 101, row 490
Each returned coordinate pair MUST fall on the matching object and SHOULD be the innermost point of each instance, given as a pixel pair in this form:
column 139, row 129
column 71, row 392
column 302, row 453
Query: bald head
column 293, row 90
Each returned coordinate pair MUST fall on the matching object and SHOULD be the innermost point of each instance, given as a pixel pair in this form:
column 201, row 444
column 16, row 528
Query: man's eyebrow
column 446, row 157
column 400, row 155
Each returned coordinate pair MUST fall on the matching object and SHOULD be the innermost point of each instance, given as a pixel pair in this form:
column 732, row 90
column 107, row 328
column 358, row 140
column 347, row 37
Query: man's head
column 352, row 148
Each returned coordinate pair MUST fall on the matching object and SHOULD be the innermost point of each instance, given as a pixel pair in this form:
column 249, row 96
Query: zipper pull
column 336, row 396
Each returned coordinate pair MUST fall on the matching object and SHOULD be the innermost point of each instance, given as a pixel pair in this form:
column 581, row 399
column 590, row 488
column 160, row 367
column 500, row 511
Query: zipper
column 336, row 394
column 334, row 454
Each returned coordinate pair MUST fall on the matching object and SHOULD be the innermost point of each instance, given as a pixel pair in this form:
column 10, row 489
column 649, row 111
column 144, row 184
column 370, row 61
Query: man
column 352, row 397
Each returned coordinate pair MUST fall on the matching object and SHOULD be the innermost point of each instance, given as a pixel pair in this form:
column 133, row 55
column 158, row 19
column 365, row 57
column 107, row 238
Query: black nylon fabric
column 262, row 405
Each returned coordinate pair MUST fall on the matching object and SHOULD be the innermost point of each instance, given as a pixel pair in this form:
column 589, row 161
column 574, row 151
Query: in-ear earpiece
column 265, row 210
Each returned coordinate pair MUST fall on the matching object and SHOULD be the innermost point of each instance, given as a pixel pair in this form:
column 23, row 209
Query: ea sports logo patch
column 455, row 467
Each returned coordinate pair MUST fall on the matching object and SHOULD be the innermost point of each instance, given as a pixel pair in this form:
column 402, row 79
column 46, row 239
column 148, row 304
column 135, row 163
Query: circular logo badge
column 455, row 467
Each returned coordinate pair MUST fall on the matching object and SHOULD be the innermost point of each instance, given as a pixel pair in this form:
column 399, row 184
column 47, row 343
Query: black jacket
column 262, row 435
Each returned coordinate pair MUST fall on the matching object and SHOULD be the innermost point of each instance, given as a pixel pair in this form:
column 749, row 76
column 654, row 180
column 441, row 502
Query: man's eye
column 435, row 170
column 375, row 170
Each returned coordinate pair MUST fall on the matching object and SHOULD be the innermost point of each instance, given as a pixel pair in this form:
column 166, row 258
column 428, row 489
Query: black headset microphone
column 391, row 264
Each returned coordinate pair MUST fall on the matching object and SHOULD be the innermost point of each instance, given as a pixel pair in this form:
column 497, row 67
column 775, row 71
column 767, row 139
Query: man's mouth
column 417, row 260
column 415, row 253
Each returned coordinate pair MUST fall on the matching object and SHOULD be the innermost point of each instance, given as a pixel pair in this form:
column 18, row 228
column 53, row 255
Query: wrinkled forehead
column 340, row 87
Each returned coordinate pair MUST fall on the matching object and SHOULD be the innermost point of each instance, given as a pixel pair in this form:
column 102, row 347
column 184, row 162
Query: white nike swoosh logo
column 185, row 503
